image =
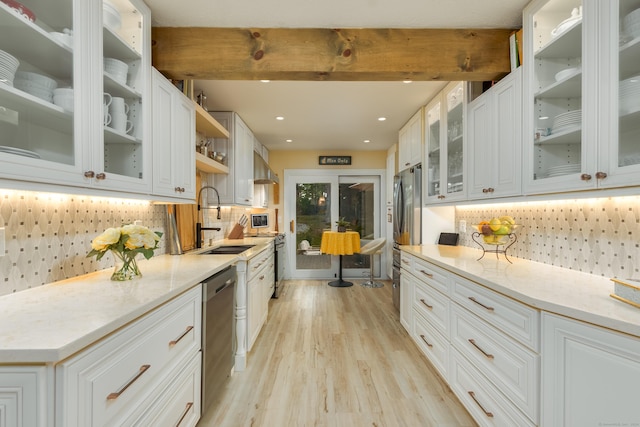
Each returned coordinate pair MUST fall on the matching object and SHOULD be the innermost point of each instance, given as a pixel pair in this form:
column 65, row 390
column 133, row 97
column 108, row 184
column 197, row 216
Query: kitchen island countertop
column 49, row 323
column 570, row 293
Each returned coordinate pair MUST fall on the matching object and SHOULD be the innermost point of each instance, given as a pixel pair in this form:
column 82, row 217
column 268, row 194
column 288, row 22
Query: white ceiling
column 329, row 115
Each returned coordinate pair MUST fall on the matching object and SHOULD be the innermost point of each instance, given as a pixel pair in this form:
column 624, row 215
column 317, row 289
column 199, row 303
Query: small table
column 340, row 243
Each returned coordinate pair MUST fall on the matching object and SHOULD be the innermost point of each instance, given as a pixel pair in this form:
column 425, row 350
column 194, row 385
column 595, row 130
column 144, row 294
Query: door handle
column 292, row 225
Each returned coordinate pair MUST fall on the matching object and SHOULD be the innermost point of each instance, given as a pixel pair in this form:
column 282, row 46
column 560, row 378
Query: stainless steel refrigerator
column 407, row 218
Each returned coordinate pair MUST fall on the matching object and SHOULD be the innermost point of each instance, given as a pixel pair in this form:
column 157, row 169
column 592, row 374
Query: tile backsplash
column 596, row 236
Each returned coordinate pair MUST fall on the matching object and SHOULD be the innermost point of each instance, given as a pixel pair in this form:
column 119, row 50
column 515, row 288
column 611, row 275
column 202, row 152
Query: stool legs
column 371, row 283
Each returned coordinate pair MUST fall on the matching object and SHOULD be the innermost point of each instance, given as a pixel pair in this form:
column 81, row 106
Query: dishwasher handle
column 218, row 282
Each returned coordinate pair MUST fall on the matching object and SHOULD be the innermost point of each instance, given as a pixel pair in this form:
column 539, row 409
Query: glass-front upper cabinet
column 444, row 142
column 126, row 84
column 37, row 81
column 582, row 95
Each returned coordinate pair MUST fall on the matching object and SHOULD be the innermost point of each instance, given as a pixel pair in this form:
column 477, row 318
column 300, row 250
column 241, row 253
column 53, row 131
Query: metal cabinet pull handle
column 261, row 277
column 404, row 261
column 429, row 275
column 487, row 355
column 177, row 340
column 481, row 304
column 473, row 396
column 601, row 175
column 184, row 414
column 101, row 175
column 115, row 395
column 585, row 177
column 426, row 342
column 430, row 307
column 89, row 174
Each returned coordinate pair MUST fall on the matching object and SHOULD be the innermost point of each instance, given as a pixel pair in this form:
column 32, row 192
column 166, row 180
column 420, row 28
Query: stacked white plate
column 631, row 24
column 19, row 152
column 566, row 120
column 630, row 95
column 563, row 169
column 8, row 66
column 116, row 69
column 111, row 16
column 35, row 84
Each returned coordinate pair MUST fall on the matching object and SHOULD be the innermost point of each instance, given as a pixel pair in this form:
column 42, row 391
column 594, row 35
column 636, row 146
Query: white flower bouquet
column 125, row 242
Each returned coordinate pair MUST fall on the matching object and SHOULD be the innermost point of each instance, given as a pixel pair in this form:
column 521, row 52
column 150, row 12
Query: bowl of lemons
column 497, row 230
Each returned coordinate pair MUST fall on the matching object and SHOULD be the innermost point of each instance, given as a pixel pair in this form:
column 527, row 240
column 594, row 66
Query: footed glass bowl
column 500, row 236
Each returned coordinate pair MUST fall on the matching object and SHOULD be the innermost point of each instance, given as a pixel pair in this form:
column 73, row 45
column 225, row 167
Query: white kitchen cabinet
column 236, row 187
column 444, row 119
column 391, row 172
column 494, row 130
column 174, row 166
column 407, row 290
column 76, row 148
column 410, row 142
column 23, row 396
column 260, row 191
column 260, row 279
column 590, row 374
column 120, row 377
column 581, row 107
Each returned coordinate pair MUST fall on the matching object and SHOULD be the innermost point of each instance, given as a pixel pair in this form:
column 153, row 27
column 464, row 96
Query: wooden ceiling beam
column 317, row 54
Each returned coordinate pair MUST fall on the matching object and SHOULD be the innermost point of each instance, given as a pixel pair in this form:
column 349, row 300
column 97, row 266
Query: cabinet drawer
column 513, row 368
column 483, row 401
column 108, row 379
column 515, row 319
column 258, row 262
column 431, row 274
column 433, row 306
column 432, row 343
column 178, row 403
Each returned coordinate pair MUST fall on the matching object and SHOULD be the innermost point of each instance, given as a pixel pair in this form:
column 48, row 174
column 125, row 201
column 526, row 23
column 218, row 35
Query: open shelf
column 205, row 164
column 206, row 124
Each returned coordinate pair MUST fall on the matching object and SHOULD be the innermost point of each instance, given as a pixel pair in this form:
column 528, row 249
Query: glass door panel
column 557, row 87
column 124, row 88
column 433, row 150
column 455, row 132
column 629, row 84
column 36, row 86
column 313, row 202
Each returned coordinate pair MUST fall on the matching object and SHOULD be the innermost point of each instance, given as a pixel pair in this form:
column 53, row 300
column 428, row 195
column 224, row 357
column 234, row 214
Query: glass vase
column 125, row 268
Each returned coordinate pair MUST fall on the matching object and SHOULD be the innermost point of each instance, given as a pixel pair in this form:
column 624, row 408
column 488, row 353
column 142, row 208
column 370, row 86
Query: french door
column 314, row 201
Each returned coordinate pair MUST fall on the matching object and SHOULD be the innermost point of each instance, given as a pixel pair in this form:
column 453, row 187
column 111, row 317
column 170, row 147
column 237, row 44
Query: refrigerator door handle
column 400, row 208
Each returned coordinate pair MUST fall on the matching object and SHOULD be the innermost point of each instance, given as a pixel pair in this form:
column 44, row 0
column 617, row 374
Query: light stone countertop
column 570, row 293
column 51, row 322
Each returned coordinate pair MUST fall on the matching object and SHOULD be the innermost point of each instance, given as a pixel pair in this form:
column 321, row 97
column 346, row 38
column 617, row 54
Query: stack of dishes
column 8, row 67
column 18, row 151
column 561, row 75
column 36, row 85
column 21, row 9
column 111, row 16
column 116, row 69
column 563, row 169
column 566, row 120
column 631, row 24
column 576, row 16
column 630, row 95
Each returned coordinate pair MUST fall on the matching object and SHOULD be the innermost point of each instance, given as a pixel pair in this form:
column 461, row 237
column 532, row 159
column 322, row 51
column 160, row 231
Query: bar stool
column 373, row 247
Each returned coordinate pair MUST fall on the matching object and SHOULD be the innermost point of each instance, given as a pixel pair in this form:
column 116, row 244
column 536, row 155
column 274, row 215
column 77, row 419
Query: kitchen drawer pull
column 115, row 395
column 429, row 275
column 473, row 343
column 430, row 307
column 473, row 396
column 261, row 277
column 426, row 342
column 184, row 414
column 177, row 340
column 404, row 261
column 481, row 304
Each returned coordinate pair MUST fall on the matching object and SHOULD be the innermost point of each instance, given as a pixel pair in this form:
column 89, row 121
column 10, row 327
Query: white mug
column 106, row 99
column 107, row 117
column 120, row 123
column 118, row 106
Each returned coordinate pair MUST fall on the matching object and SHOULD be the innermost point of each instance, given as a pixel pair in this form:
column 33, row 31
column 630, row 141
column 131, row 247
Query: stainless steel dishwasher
column 217, row 333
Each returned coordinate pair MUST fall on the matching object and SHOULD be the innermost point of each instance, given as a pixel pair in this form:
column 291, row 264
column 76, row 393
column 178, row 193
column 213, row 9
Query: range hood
column 262, row 174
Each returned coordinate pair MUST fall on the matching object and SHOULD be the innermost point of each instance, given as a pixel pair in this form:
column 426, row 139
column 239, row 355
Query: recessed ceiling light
column 366, row 141
column 407, row 81
column 382, row 119
column 279, row 118
column 289, row 140
column 265, row 81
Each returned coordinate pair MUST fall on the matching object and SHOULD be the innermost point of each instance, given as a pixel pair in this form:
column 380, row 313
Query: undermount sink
column 227, row 250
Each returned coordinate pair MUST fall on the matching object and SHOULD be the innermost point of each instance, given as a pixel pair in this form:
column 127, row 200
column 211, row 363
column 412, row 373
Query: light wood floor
column 335, row 357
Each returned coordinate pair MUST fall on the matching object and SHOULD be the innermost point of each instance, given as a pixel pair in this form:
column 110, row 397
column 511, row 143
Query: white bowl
column 37, row 78
column 565, row 73
column 111, row 16
column 115, row 66
column 64, row 101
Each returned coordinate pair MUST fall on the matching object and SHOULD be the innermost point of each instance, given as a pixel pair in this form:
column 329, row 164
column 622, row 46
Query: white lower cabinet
column 590, row 375
column 23, row 396
column 260, row 281
column 120, row 377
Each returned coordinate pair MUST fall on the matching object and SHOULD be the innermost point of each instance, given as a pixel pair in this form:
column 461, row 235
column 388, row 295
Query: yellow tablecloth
column 335, row 243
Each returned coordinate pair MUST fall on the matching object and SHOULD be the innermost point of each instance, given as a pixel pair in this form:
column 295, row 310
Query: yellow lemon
column 495, row 224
